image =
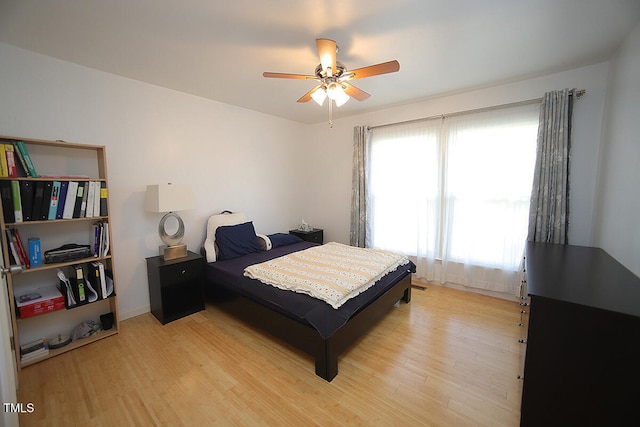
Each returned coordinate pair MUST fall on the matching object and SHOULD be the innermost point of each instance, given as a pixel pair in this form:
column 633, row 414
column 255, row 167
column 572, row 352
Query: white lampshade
column 168, row 198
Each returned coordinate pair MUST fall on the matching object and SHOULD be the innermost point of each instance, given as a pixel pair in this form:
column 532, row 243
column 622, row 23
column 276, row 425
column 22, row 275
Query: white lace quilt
column 332, row 272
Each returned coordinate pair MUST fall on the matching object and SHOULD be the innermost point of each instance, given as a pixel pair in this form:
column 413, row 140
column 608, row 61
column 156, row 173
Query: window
column 455, row 190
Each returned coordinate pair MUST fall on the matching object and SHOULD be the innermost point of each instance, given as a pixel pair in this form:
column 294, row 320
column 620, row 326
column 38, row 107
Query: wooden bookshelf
column 56, row 161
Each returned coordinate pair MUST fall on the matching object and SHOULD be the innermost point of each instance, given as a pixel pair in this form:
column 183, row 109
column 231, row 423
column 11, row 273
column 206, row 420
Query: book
column 22, row 148
column 20, row 163
column 70, row 200
column 35, row 355
column 26, row 197
column 4, row 172
column 13, row 247
column 62, row 198
column 11, row 160
column 24, row 258
column 99, row 240
column 53, row 203
column 104, row 211
column 6, row 193
column 38, row 347
column 17, row 201
column 35, row 252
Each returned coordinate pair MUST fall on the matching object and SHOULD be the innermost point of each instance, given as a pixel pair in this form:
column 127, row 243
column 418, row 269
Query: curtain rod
column 573, row 92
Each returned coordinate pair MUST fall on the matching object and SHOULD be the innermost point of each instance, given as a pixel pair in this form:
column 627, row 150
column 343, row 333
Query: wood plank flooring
column 449, row 358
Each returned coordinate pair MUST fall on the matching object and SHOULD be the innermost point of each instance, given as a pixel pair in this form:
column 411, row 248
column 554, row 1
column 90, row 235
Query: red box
column 39, row 301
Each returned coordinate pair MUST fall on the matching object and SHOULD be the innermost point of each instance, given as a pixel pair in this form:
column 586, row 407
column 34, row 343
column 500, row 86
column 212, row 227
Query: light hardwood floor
column 449, row 358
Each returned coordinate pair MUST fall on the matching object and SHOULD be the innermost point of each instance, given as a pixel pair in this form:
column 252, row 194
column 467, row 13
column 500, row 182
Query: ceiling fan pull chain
column 330, row 113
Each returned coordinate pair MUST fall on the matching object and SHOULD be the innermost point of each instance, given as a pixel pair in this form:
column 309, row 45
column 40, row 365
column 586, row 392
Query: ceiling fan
column 333, row 77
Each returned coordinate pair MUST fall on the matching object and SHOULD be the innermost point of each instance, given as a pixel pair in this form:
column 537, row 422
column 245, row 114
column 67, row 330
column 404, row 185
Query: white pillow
column 213, row 223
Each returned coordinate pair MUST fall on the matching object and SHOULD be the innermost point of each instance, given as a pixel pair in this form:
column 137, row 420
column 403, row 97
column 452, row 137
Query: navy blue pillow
column 281, row 239
column 236, row 240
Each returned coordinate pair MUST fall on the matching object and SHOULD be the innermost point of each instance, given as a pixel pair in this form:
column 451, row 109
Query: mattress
column 229, row 275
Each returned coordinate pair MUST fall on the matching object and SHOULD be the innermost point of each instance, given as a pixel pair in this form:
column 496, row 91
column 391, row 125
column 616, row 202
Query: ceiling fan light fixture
column 336, row 92
column 319, row 96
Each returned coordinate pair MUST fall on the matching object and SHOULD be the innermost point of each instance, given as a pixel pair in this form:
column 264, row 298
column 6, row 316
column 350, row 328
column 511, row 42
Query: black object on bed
column 305, row 322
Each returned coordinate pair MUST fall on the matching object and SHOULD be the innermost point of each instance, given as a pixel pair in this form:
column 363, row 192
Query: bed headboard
column 215, row 221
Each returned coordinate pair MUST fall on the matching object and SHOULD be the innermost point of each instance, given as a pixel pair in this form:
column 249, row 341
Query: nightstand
column 176, row 287
column 316, row 235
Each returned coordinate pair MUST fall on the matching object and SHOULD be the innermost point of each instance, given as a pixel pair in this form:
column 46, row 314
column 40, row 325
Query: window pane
column 404, row 188
column 490, row 159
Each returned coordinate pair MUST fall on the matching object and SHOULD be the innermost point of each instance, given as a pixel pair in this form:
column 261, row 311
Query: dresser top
column 581, row 275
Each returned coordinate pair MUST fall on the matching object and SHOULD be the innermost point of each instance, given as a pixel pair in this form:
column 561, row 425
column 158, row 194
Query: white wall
column 617, row 226
column 234, row 158
column 329, row 206
column 279, row 171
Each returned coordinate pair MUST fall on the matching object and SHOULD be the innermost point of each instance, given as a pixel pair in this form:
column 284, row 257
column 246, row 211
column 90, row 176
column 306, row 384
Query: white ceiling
column 219, row 49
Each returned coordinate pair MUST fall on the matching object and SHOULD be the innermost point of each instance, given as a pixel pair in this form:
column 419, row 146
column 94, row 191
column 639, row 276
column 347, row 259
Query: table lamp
column 168, row 199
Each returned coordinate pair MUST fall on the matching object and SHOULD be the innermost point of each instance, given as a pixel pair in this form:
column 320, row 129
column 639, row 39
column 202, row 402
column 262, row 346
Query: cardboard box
column 39, row 301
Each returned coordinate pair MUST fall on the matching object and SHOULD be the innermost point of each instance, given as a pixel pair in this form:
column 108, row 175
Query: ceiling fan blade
column 354, row 92
column 287, row 76
column 327, row 51
column 307, row 96
column 374, row 70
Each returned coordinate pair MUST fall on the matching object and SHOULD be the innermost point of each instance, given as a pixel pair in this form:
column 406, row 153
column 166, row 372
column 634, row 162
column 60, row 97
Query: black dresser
column 582, row 362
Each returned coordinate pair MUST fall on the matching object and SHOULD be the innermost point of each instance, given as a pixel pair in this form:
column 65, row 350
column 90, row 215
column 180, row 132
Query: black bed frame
column 306, row 338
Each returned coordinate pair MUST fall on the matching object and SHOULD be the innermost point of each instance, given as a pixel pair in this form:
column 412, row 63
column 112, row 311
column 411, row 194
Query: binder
column 46, row 200
column 85, row 194
column 17, row 201
column 70, row 200
column 103, row 199
column 38, row 195
column 99, row 278
column 91, row 195
column 64, row 186
column 96, row 198
column 80, row 286
column 77, row 208
column 53, row 203
column 7, row 202
column 26, row 196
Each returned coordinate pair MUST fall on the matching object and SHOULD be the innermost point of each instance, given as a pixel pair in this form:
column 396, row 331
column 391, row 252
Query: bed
column 301, row 320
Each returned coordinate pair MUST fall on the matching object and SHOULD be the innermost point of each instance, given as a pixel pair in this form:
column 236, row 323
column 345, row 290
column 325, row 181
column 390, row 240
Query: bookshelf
column 57, row 161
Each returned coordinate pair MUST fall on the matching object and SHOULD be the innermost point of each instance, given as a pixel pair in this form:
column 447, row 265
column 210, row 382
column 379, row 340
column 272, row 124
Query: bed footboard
column 307, row 339
column 327, row 355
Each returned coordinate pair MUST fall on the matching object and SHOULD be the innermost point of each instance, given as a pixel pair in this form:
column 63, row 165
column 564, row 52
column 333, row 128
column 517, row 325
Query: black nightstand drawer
column 181, row 273
column 315, row 236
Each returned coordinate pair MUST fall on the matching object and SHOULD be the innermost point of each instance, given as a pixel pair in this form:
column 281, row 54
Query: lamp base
column 173, row 252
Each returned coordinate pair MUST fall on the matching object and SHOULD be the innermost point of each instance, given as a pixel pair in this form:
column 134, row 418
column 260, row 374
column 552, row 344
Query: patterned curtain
column 549, row 208
column 358, row 233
